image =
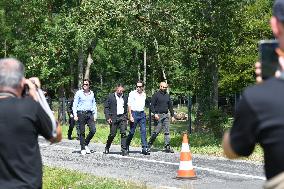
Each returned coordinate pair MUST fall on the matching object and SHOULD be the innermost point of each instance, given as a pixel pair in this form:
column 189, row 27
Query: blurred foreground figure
column 259, row 116
column 24, row 115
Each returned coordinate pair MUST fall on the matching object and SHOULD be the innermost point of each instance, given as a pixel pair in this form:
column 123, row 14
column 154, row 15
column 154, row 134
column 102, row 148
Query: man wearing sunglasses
column 85, row 112
column 136, row 105
column 116, row 115
column 161, row 103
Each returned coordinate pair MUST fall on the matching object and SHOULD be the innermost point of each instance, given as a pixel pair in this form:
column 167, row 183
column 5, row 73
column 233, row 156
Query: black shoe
column 168, row 149
column 124, row 152
column 127, row 149
column 149, row 148
column 145, row 152
column 106, row 150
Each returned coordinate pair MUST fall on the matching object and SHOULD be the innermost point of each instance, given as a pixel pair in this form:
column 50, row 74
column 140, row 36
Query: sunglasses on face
column 164, row 87
column 139, row 86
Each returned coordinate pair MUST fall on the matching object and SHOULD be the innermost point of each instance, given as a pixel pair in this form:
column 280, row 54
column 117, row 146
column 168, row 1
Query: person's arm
column 94, row 109
column 241, row 139
column 107, row 109
column 44, row 126
column 171, row 107
column 153, row 105
column 227, row 148
column 75, row 104
column 130, row 102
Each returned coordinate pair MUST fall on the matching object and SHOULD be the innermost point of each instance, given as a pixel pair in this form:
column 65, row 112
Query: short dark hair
column 278, row 10
column 119, row 85
column 87, row 80
column 139, row 81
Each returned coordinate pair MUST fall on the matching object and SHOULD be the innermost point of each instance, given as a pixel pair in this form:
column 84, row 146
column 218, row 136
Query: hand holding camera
column 30, row 87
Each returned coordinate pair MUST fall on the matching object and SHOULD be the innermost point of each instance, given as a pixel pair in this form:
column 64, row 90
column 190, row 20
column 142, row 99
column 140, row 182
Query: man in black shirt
column 160, row 104
column 22, row 119
column 259, row 116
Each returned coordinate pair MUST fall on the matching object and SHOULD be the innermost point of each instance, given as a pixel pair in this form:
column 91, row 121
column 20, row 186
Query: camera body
column 268, row 58
column 25, row 91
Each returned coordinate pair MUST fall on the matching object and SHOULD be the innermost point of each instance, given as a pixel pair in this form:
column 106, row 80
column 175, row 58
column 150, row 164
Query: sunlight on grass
column 57, row 178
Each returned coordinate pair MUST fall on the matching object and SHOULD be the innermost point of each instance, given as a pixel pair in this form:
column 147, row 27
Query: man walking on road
column 116, row 116
column 85, row 112
column 161, row 103
column 259, row 115
column 136, row 105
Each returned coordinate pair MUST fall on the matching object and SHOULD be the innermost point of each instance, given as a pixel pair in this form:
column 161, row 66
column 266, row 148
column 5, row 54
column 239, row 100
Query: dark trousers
column 86, row 117
column 121, row 123
column 139, row 118
column 71, row 127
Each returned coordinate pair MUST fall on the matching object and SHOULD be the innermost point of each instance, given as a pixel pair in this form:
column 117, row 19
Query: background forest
column 202, row 48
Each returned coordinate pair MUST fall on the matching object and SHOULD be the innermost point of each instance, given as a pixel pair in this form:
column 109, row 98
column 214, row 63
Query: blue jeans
column 139, row 118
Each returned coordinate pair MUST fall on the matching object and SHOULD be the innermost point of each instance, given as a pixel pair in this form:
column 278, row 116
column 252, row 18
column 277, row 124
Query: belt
column 83, row 112
column 119, row 115
column 162, row 112
column 138, row 111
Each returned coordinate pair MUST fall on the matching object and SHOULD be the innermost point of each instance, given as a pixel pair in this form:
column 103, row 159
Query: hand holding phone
column 268, row 58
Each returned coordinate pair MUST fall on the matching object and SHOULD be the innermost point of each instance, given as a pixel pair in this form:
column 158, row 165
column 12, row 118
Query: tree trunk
column 5, row 48
column 136, row 61
column 215, row 85
column 71, row 63
column 101, row 80
column 88, row 67
column 159, row 60
column 145, row 67
column 80, row 67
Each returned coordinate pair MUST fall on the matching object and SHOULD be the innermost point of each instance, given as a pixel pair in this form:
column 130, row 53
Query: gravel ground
column 158, row 170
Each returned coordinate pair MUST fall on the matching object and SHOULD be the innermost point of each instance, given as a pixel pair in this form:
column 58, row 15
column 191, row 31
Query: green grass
column 56, row 178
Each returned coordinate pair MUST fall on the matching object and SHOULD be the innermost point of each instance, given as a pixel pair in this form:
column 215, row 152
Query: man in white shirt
column 116, row 116
column 136, row 105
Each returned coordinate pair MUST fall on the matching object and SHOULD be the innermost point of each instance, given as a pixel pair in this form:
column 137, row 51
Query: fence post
column 189, row 106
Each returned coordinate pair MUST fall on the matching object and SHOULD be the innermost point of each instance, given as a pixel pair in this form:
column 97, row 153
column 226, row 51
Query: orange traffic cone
column 186, row 170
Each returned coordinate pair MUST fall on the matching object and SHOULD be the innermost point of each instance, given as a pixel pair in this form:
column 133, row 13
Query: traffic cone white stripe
column 185, row 147
column 186, row 170
column 185, row 165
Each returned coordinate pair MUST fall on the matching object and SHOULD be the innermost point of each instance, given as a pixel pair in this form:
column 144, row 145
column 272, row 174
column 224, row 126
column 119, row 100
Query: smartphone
column 268, row 58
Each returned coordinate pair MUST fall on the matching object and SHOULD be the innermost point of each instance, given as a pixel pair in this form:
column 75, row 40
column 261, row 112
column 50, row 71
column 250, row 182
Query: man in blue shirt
column 85, row 112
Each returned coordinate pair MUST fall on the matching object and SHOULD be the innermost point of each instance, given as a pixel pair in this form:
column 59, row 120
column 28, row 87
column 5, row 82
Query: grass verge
column 56, row 178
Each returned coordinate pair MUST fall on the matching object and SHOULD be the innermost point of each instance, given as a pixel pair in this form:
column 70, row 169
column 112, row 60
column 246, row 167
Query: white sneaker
column 83, row 152
column 88, row 151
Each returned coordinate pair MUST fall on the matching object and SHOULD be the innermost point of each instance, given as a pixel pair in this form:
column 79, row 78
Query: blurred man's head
column 277, row 21
column 11, row 75
column 119, row 90
column 86, row 84
column 140, row 86
column 163, row 87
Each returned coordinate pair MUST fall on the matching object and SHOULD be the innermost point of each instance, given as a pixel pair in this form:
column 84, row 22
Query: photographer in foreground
column 259, row 116
column 22, row 119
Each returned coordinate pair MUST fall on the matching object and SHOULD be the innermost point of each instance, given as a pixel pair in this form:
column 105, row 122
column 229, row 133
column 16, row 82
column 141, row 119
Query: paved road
column 155, row 171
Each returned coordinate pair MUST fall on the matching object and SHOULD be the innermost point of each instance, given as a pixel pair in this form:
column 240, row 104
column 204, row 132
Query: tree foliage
column 205, row 48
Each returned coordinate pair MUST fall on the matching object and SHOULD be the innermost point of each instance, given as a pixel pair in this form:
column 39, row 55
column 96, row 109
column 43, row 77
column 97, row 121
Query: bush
column 216, row 122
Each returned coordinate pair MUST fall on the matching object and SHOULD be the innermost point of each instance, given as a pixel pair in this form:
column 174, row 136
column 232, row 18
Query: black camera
column 25, row 91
